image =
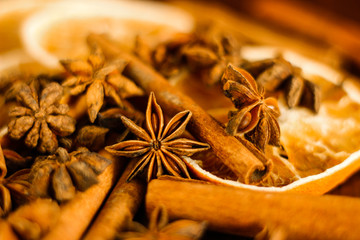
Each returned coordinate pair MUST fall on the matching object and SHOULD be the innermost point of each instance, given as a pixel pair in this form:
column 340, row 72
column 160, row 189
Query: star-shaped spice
column 211, row 52
column 159, row 146
column 92, row 137
column 256, row 115
column 15, row 161
column 206, row 51
column 41, row 120
column 61, row 174
column 99, row 79
column 14, row 188
column 166, row 57
column 159, row 228
column 277, row 73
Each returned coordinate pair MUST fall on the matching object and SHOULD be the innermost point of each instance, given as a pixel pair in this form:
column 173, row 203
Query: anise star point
column 40, row 119
column 160, row 228
column 100, row 79
column 159, row 146
column 14, row 188
column 59, row 175
column 256, row 115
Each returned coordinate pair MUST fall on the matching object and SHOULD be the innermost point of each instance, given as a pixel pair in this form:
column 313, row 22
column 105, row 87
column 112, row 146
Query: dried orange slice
column 60, row 29
column 322, row 150
column 12, row 14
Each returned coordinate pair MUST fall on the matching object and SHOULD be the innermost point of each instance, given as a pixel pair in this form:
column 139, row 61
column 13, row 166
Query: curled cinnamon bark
column 230, row 151
column 245, row 212
column 119, row 208
column 77, row 214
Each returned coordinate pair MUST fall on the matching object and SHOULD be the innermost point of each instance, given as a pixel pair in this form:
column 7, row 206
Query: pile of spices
column 88, row 146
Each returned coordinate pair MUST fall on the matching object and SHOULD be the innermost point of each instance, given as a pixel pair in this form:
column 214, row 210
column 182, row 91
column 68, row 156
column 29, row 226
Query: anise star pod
column 99, row 79
column 160, row 146
column 206, row 51
column 92, row 137
column 61, row 174
column 42, row 119
column 211, row 51
column 160, row 228
column 256, row 115
column 14, row 188
column 277, row 73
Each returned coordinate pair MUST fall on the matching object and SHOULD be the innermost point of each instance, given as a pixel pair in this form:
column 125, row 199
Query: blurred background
column 324, row 23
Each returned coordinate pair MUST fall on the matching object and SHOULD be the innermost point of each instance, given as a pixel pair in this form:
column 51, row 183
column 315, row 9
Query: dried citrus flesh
column 320, row 150
column 60, row 29
column 12, row 13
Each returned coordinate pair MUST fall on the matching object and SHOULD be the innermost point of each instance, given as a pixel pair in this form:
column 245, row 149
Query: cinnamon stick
column 77, row 214
column 246, row 212
column 6, row 232
column 230, row 151
column 120, row 207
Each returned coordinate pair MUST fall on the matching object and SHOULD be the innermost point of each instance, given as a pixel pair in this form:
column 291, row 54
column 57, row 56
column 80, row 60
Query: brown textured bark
column 77, row 214
column 119, row 208
column 246, row 212
column 230, row 151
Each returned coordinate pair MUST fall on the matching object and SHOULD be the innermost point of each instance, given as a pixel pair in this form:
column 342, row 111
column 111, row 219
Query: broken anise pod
column 31, row 221
column 40, row 119
column 277, row 73
column 92, row 137
column 256, row 115
column 14, row 188
column 159, row 146
column 59, row 175
column 206, row 51
column 99, row 78
column 160, row 228
column 211, row 51
column 15, row 161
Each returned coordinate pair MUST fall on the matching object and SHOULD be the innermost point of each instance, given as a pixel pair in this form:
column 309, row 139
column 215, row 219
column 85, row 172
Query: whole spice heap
column 232, row 153
column 63, row 166
column 160, row 146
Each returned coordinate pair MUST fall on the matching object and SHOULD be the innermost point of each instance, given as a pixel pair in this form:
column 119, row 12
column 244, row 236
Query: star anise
column 159, row 228
column 211, row 52
column 15, row 161
column 14, row 188
column 166, row 57
column 159, row 146
column 31, row 221
column 99, row 78
column 256, row 115
column 92, row 137
column 41, row 120
column 277, row 73
column 61, row 174
column 206, row 51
